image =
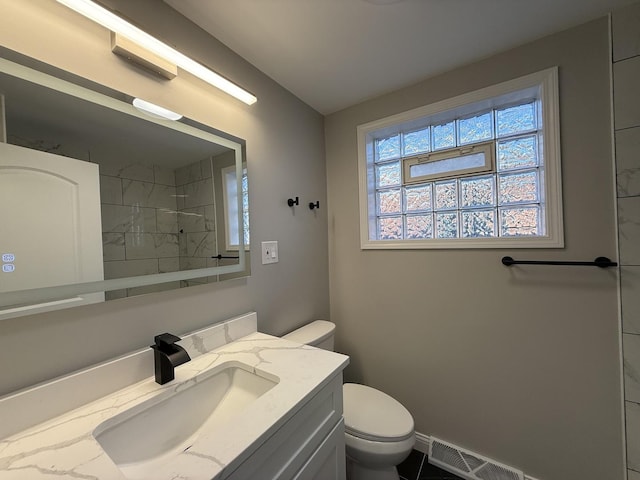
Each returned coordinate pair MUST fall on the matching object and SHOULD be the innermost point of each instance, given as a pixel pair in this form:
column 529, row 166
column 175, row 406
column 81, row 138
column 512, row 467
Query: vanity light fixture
column 155, row 111
column 133, row 52
column 121, row 27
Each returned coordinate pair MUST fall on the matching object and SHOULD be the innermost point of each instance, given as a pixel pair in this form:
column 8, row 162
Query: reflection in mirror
column 100, row 201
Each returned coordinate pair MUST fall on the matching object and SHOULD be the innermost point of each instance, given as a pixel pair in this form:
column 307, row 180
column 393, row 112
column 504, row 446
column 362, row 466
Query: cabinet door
column 291, row 446
column 328, row 461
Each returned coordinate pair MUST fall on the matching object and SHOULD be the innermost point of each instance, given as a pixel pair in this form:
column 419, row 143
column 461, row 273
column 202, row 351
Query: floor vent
column 468, row 464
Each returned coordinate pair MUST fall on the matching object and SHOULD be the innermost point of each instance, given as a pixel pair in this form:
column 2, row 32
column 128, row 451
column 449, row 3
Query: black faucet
column 167, row 355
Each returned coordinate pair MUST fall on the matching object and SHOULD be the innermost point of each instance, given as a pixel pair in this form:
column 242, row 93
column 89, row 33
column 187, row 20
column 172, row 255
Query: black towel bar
column 602, row 262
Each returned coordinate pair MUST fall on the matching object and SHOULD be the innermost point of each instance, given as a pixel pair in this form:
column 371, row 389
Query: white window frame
column 542, row 85
column 230, row 186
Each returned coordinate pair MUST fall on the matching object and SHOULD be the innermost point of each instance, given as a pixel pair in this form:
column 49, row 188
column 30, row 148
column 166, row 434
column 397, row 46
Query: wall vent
column 469, row 465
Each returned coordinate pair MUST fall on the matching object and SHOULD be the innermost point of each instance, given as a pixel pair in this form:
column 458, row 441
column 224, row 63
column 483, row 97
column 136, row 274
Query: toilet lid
column 374, row 415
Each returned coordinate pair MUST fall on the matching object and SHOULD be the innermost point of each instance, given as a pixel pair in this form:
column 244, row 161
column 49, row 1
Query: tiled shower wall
column 196, row 217
column 155, row 220
column 626, row 99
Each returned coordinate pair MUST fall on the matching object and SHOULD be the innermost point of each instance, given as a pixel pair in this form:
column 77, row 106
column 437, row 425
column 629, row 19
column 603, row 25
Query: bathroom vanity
column 248, row 405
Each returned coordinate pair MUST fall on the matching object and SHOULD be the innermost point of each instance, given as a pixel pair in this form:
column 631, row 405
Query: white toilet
column 379, row 431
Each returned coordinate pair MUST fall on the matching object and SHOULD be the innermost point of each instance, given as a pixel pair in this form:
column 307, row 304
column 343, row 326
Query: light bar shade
column 120, row 26
column 154, row 110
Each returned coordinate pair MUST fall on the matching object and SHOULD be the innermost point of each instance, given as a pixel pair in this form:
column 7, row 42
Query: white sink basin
column 142, row 439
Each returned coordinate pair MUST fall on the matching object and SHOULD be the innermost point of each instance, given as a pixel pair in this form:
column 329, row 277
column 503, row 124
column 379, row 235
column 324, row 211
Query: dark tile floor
column 416, row 467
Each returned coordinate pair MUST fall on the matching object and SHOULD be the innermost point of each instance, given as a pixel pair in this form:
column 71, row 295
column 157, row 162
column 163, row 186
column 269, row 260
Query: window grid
column 505, row 203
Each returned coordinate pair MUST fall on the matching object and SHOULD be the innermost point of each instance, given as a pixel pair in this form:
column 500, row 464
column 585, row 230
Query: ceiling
column 335, row 53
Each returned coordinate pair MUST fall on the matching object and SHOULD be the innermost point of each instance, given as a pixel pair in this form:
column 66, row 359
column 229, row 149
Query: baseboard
column 424, row 441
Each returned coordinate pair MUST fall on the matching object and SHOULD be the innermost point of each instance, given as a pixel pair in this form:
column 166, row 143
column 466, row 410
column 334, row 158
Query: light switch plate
column 269, row 252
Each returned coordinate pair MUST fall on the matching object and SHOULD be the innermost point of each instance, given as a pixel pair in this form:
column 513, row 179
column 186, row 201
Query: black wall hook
column 314, row 205
column 291, row 202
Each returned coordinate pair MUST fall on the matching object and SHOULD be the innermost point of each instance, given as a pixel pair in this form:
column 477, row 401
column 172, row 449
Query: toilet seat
column 372, row 415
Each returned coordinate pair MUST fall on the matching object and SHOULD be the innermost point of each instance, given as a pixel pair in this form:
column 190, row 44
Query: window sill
column 463, row 243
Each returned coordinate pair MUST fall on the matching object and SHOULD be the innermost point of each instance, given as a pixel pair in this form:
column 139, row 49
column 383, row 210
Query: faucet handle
column 166, row 339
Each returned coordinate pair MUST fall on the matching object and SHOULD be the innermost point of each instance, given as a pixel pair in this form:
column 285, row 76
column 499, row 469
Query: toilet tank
column 318, row 334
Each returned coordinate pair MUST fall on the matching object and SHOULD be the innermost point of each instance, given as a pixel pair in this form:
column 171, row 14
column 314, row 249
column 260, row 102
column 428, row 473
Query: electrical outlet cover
column 269, row 252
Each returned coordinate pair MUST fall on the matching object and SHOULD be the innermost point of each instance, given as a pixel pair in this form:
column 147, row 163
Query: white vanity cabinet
column 309, row 445
column 328, row 461
column 292, row 430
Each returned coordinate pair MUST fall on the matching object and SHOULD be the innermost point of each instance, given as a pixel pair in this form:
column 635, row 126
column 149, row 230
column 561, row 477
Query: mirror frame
column 34, row 71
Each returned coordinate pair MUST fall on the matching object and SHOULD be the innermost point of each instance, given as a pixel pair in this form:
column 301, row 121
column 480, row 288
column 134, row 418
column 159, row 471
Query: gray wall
column 626, row 96
column 285, row 154
column 520, row 364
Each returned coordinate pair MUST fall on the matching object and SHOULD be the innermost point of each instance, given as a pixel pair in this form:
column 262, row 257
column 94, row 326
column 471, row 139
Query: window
column 478, row 171
column 230, row 187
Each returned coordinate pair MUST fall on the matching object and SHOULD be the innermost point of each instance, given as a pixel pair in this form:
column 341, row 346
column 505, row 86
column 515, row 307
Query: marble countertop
column 65, row 447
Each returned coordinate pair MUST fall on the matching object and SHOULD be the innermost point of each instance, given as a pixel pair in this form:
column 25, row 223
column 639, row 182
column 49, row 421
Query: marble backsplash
column 79, row 388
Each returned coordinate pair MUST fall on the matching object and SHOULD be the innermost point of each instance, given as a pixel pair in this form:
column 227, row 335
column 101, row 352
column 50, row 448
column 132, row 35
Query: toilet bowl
column 379, row 430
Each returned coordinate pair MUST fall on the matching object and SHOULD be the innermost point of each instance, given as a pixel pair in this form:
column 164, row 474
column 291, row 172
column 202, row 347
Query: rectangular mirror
column 100, row 200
